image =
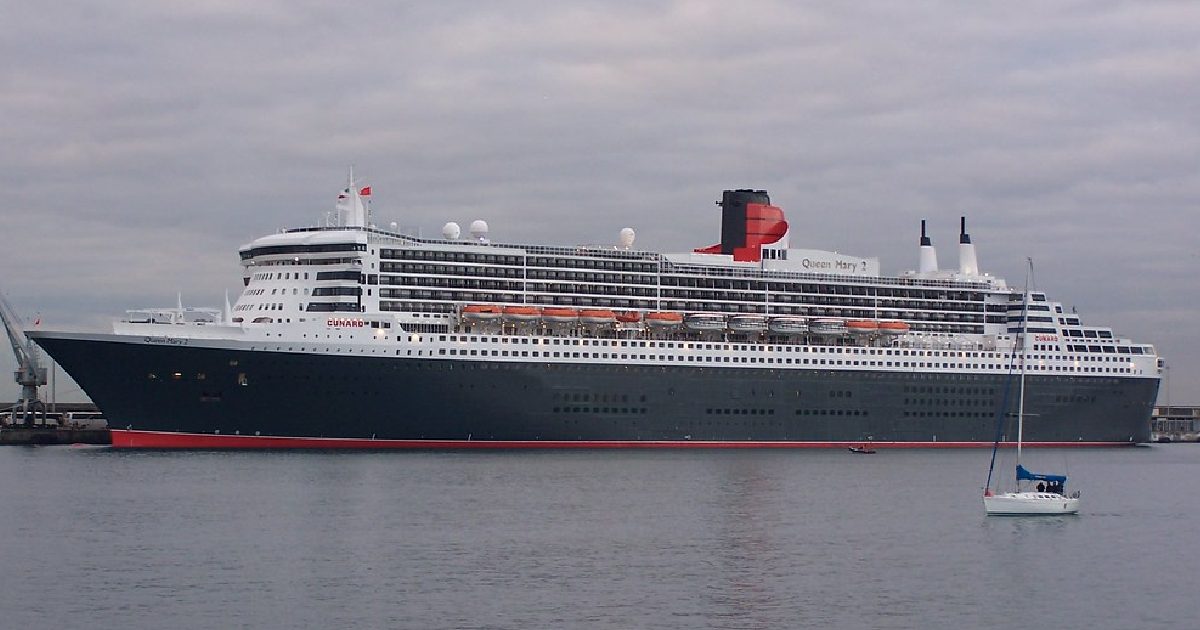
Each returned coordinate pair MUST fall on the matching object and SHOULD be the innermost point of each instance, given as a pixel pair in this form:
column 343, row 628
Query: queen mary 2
column 348, row 336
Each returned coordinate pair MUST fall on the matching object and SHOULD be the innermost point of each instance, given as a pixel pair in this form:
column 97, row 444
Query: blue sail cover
column 1025, row 475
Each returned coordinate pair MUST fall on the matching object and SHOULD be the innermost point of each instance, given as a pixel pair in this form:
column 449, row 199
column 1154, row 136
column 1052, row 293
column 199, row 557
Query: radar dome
column 627, row 236
column 479, row 228
column 393, row 225
column 451, row 231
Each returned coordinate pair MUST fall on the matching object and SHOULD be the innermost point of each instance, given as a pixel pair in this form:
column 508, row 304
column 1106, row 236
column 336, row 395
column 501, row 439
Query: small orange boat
column 664, row 319
column 629, row 317
column 893, row 328
column 481, row 312
column 862, row 326
column 597, row 316
column 522, row 313
column 557, row 315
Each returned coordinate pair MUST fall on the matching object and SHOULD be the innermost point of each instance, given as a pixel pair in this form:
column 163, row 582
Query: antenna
column 627, row 237
column 479, row 230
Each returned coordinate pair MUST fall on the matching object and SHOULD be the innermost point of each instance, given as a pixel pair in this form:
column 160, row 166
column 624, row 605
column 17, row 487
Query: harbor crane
column 29, row 374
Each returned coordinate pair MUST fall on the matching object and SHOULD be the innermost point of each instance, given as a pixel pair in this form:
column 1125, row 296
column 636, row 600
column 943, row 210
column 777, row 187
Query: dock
column 40, row 435
column 1178, row 423
column 68, row 423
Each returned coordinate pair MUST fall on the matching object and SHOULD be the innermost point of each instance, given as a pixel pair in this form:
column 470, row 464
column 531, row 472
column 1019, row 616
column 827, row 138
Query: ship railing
column 556, row 250
column 167, row 315
column 926, row 341
column 667, row 266
column 709, row 271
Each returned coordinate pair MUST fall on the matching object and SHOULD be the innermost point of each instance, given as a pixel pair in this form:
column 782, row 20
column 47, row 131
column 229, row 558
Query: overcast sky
column 144, row 142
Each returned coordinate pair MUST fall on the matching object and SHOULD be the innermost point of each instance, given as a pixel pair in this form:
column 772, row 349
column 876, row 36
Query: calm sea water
column 93, row 538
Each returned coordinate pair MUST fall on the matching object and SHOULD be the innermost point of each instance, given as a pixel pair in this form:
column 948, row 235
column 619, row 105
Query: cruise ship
column 351, row 336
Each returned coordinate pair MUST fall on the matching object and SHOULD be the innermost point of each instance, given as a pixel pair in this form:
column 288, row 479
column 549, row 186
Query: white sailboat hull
column 1029, row 504
column 1024, row 502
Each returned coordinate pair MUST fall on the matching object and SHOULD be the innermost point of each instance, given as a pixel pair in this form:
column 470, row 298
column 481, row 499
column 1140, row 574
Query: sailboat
column 1049, row 496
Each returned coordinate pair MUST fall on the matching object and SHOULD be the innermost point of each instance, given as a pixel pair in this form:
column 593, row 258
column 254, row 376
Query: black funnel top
column 733, row 216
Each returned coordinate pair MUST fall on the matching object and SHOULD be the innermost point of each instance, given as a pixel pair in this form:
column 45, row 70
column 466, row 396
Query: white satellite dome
column 393, row 225
column 479, row 229
column 451, row 231
column 627, row 236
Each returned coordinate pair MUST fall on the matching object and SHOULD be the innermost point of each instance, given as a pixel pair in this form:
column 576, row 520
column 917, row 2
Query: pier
column 1175, row 424
column 61, row 423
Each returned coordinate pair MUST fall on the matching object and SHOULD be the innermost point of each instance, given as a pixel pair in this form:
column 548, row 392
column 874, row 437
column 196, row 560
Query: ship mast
column 351, row 209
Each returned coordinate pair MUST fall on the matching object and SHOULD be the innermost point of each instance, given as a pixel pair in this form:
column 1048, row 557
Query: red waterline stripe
column 126, row 438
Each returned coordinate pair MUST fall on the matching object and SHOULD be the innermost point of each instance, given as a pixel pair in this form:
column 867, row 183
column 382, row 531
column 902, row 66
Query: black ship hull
column 394, row 401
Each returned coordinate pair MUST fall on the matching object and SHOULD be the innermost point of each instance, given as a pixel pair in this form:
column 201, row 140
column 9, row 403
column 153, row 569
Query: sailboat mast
column 1024, row 355
column 1021, row 404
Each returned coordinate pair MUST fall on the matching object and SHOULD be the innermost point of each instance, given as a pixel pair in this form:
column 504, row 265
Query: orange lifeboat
column 629, row 317
column 664, row 319
column 522, row 313
column 893, row 328
column 559, row 315
column 597, row 316
column 862, row 326
column 481, row 312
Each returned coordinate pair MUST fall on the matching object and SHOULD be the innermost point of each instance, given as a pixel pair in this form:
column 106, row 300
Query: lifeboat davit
column 481, row 312
column 748, row 323
column 893, row 328
column 788, row 325
column 827, row 327
column 660, row 319
column 556, row 315
column 522, row 313
column 629, row 317
column 597, row 316
column 862, row 326
column 705, row 321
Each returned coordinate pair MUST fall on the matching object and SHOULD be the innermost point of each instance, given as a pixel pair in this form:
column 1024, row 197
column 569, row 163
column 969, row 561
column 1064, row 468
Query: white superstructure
column 314, row 282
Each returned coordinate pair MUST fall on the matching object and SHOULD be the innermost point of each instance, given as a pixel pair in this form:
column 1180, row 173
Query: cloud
column 144, row 143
